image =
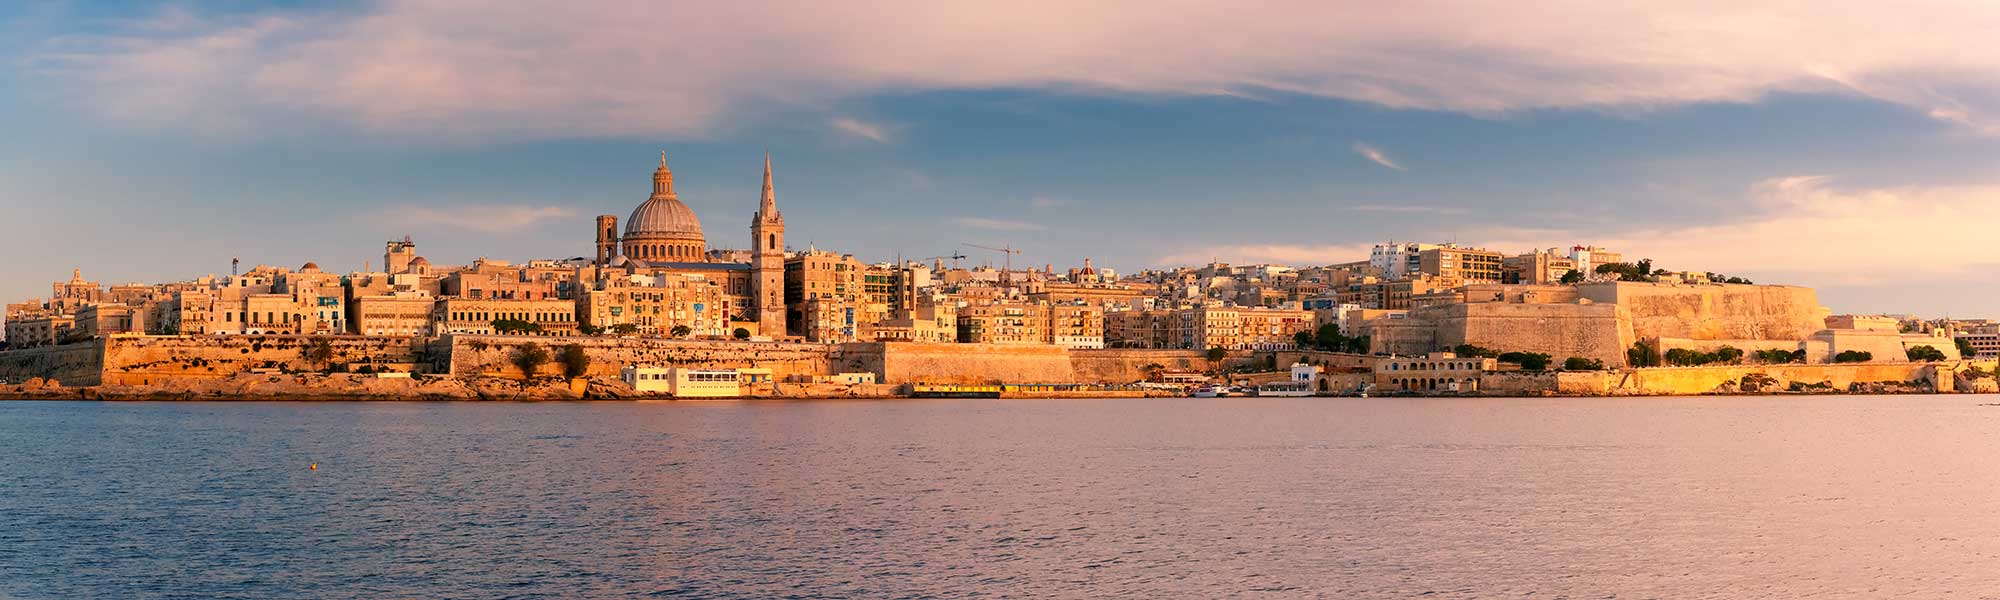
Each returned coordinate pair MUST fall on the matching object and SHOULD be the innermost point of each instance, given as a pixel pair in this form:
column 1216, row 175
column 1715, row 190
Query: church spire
column 769, row 207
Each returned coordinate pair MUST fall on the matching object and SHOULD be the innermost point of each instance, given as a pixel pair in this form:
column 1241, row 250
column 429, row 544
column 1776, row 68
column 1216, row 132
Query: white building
column 1398, row 261
column 684, row 383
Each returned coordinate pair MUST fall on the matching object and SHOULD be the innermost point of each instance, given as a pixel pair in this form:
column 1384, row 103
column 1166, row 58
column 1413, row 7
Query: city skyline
column 1867, row 179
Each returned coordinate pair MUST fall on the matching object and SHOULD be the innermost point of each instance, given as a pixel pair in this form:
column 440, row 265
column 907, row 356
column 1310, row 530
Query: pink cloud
column 624, row 67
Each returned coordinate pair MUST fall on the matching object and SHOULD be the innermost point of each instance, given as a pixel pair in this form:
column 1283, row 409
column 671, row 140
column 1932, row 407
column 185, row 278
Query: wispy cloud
column 1376, row 156
column 862, row 129
column 1407, row 208
column 484, row 218
column 996, row 224
column 547, row 68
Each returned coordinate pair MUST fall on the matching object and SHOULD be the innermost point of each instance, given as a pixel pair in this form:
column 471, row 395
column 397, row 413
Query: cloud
column 1407, row 208
column 1376, row 156
column 544, row 68
column 1808, row 230
column 1046, row 202
column 1288, row 254
column 483, row 218
column 996, row 224
column 861, row 129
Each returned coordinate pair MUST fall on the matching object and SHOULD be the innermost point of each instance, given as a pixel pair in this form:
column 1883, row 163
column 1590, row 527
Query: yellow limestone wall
column 1714, row 311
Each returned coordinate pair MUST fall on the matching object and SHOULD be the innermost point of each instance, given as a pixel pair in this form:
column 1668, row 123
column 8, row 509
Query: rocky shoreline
column 355, row 388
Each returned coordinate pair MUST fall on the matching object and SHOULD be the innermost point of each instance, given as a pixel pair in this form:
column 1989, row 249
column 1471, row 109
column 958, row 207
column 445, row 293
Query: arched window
column 771, row 242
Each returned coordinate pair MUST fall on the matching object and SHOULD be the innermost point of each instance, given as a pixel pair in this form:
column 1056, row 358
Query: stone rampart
column 1128, row 365
column 1561, row 331
column 493, row 356
column 912, row 362
column 149, row 360
column 72, row 364
column 1714, row 311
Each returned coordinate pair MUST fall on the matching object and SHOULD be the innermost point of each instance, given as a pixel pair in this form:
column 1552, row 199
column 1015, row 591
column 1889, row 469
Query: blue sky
column 151, row 142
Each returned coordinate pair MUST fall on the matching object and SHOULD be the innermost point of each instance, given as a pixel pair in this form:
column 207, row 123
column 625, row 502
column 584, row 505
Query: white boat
column 1211, row 391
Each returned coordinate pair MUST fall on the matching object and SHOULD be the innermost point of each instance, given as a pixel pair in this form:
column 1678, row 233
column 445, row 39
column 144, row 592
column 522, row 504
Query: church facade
column 658, row 275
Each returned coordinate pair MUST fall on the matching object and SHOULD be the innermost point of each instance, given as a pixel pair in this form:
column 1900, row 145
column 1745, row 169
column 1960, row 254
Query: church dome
column 663, row 217
column 662, row 229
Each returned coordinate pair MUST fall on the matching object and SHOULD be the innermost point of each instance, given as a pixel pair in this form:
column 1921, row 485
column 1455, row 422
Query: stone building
column 477, row 315
column 1009, row 322
column 395, row 314
column 655, row 304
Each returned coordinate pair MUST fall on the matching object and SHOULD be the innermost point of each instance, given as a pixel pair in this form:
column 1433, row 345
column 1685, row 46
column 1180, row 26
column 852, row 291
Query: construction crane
column 1007, row 251
column 955, row 257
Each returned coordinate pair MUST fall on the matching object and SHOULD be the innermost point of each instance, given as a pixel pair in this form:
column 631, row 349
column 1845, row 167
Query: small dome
column 420, row 261
column 310, row 267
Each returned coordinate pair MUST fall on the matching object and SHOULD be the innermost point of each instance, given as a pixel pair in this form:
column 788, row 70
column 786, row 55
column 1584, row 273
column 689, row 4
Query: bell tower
column 607, row 239
column 767, row 261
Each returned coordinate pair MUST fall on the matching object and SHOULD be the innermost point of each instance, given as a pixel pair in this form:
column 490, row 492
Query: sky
column 1849, row 146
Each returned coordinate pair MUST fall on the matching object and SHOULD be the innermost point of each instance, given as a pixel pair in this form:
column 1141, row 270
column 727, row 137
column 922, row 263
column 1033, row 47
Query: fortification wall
column 150, row 360
column 493, row 356
column 910, row 362
column 72, row 364
column 1714, row 311
column 1125, row 366
column 1559, row 330
column 1599, row 331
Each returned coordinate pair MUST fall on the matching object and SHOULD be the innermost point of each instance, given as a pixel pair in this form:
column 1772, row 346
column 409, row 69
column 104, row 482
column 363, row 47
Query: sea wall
column 72, row 364
column 493, row 356
column 147, row 360
column 912, row 362
column 1126, row 365
column 1682, row 381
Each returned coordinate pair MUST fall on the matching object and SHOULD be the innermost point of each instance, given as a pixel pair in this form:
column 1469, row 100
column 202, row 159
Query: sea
column 1702, row 497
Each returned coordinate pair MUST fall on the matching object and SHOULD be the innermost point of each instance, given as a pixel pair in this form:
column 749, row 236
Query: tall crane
column 1007, row 251
column 955, row 257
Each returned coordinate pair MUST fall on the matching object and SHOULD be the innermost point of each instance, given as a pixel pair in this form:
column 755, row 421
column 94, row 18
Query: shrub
column 1853, row 356
column 1643, row 354
column 1471, row 351
column 1578, row 363
column 740, row 333
column 1925, row 354
column 1529, row 361
column 680, row 331
column 319, row 351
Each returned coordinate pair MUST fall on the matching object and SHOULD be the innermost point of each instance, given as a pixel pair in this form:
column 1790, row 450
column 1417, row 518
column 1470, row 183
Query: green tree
column 1728, row 354
column 740, row 333
column 1573, row 277
column 1925, row 354
column 1578, row 363
column 575, row 362
column 1471, row 351
column 680, row 331
column 1965, row 350
column 1304, row 340
column 1853, row 356
column 530, row 357
column 1529, row 361
column 624, row 329
column 514, row 327
column 588, row 329
column 1328, row 337
column 1215, row 355
column 1643, row 354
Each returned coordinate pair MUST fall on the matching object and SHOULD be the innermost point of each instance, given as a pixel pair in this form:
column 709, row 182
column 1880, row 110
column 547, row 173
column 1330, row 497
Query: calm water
column 1193, row 498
